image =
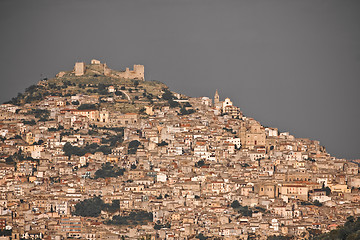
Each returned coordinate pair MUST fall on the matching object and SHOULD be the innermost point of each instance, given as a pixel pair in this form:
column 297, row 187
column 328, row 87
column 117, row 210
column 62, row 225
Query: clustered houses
column 213, row 172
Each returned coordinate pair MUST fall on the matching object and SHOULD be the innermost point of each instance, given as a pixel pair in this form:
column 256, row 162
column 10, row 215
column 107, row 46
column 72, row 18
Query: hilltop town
column 95, row 153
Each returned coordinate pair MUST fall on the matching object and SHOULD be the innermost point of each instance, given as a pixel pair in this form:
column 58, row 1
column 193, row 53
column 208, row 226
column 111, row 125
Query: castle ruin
column 79, row 68
column 137, row 73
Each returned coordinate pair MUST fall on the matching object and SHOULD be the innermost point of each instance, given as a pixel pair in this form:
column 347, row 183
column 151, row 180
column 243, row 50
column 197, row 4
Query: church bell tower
column 216, row 97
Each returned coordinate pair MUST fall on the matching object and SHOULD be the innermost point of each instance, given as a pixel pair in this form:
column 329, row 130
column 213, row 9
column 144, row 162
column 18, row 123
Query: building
column 71, row 226
column 137, row 73
column 252, row 135
column 79, row 68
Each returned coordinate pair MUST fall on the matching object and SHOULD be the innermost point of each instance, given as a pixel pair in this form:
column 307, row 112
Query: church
column 226, row 107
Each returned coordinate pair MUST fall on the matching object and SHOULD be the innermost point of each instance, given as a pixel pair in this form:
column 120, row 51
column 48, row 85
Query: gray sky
column 290, row 64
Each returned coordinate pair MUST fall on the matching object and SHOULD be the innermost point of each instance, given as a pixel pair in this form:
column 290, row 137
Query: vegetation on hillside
column 243, row 210
column 159, row 225
column 133, row 218
column 89, row 207
column 107, row 170
column 92, row 207
column 127, row 95
column 350, row 231
column 91, row 83
column 133, row 146
column 81, row 151
column 5, row 232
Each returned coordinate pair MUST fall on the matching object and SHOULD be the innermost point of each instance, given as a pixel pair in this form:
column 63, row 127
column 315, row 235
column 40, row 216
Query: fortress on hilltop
column 96, row 66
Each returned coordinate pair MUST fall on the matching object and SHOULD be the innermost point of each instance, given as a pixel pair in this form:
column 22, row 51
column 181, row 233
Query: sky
column 293, row 65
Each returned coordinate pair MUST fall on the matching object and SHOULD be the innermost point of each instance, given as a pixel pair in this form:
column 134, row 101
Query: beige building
column 297, row 191
column 124, row 119
column 104, row 116
column 30, row 139
column 252, row 136
column 266, row 189
column 351, row 168
column 92, row 115
column 149, row 110
column 339, row 188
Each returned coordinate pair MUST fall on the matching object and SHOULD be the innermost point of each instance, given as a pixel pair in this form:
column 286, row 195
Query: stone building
column 137, row 73
column 252, row 135
column 79, row 68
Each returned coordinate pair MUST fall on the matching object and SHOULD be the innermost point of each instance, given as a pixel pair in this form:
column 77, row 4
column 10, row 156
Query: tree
column 245, row 165
column 200, row 163
column 317, row 203
column 134, row 218
column 235, row 204
column 167, row 95
column 68, row 149
column 92, row 148
column 107, row 170
column 328, row 191
column 163, row 143
column 183, row 111
column 149, row 96
column 42, row 114
column 136, row 83
column 89, row 207
column 244, row 210
column 5, row 232
column 118, row 93
column 114, row 206
column 102, row 89
column 201, row 236
column 159, row 226
column 92, row 207
column 87, row 106
column 350, row 231
column 9, row 160
column 114, row 139
column 142, row 110
column 31, row 122
column 133, row 146
column 173, row 104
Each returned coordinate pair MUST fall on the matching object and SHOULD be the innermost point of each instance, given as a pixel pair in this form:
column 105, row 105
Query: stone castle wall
column 138, row 71
column 79, row 68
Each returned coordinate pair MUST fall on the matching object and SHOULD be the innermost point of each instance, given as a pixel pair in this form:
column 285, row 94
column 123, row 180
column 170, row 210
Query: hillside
column 109, row 153
column 112, row 90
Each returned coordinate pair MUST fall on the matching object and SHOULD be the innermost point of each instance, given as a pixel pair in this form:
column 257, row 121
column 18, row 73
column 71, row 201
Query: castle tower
column 216, row 97
column 107, row 71
column 139, row 71
column 79, row 68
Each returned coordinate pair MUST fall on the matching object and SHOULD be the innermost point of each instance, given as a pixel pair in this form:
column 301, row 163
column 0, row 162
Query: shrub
column 107, row 170
column 134, row 218
column 89, row 207
column 133, row 146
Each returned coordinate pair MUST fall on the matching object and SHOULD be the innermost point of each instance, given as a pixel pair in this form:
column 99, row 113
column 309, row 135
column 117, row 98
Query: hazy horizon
column 293, row 65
